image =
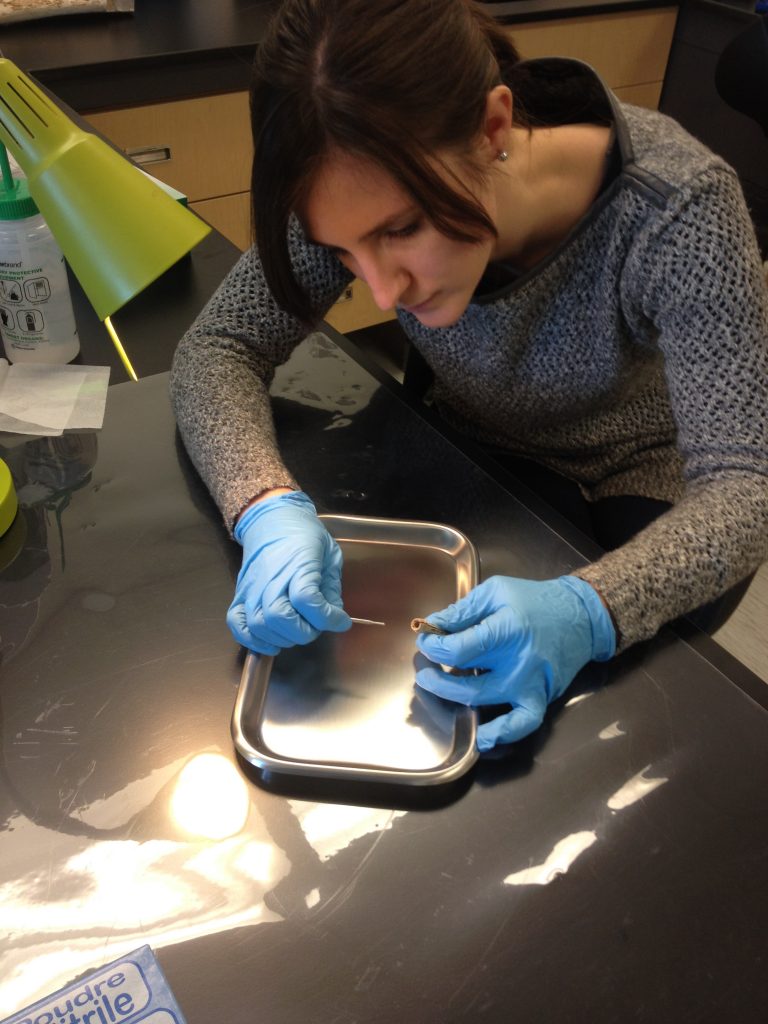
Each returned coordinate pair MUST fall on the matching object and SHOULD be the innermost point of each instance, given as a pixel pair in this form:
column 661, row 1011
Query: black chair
column 741, row 75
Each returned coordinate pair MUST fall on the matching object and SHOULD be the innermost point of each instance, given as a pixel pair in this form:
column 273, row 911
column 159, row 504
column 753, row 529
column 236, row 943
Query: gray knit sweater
column 634, row 360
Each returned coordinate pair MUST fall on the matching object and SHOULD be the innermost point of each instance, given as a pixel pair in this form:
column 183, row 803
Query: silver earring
column 502, row 155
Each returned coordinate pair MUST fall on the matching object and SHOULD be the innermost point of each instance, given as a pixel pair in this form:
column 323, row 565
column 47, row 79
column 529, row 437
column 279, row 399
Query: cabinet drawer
column 200, row 146
column 626, row 49
column 356, row 309
column 230, row 215
column 646, row 95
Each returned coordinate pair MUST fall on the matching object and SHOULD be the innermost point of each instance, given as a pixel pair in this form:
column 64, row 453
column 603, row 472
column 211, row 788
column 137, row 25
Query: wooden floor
column 745, row 634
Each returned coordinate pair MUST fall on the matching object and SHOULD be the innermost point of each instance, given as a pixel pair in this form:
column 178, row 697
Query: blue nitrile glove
column 289, row 586
column 531, row 638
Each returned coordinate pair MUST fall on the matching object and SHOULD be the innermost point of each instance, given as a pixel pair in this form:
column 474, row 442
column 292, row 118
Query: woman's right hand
column 288, row 589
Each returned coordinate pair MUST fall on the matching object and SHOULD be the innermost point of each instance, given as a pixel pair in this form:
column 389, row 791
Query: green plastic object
column 8, row 502
column 116, row 228
column 15, row 201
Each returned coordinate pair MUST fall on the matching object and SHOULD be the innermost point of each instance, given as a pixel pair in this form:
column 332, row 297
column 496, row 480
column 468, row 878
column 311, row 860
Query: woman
column 581, row 277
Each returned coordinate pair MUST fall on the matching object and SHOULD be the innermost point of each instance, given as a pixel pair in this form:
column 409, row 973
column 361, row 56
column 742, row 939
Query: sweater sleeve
column 223, row 368
column 704, row 291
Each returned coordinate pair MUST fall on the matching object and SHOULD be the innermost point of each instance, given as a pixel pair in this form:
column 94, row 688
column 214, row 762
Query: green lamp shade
column 116, row 228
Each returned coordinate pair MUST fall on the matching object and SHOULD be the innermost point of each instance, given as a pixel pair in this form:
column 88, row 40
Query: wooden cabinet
column 629, row 50
column 200, row 146
column 203, row 147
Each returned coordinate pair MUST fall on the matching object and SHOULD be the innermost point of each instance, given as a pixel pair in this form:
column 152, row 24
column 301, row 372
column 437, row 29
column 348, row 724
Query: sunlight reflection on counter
column 635, row 789
column 122, row 893
column 565, row 851
column 329, row 828
column 128, row 892
column 559, row 860
column 611, row 732
column 211, row 798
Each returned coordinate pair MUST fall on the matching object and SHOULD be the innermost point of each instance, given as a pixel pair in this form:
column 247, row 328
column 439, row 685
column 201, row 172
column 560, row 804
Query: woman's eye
column 405, row 232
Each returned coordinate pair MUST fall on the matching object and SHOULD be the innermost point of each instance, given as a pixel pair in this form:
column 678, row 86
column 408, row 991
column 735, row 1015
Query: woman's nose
column 388, row 282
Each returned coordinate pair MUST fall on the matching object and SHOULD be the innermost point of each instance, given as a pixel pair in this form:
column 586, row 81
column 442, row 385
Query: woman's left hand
column 530, row 638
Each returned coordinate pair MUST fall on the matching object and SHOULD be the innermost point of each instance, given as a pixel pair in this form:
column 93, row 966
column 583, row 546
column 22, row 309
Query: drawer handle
column 149, row 154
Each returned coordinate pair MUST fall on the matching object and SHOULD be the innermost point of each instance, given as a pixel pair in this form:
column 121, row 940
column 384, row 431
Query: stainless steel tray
column 346, row 706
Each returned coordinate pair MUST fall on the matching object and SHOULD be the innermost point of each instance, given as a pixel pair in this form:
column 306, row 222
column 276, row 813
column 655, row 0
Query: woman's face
column 362, row 214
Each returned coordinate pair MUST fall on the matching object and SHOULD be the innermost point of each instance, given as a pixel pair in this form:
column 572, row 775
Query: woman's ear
column 497, row 124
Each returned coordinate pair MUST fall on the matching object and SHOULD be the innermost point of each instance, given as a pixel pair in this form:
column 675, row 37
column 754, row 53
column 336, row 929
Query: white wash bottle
column 37, row 324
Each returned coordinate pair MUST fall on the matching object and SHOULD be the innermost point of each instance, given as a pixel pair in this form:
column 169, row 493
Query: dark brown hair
column 391, row 81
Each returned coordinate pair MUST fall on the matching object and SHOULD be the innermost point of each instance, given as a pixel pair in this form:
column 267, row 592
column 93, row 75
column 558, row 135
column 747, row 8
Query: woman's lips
column 420, row 307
